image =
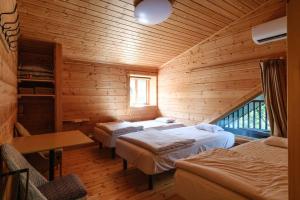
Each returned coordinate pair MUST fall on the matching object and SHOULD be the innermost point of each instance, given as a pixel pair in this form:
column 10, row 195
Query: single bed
column 255, row 170
column 152, row 163
column 107, row 133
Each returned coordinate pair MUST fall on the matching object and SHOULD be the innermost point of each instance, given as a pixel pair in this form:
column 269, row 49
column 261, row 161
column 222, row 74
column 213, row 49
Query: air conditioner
column 270, row 31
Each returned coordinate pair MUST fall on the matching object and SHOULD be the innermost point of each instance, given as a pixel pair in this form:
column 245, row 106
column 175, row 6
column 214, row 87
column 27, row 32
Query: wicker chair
column 68, row 187
column 39, row 160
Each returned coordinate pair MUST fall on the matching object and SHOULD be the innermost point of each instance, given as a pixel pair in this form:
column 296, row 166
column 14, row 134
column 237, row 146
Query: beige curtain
column 274, row 82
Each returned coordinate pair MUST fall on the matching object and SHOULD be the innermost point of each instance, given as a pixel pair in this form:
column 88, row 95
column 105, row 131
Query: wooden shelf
column 36, row 80
column 36, row 95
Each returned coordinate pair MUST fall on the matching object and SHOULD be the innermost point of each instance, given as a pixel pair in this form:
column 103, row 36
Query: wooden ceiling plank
column 252, row 3
column 69, row 42
column 231, row 8
column 240, row 5
column 197, row 17
column 257, row 2
column 244, row 9
column 244, row 5
column 52, row 15
column 82, row 18
column 275, row 7
column 214, row 6
column 124, row 50
column 108, row 30
column 200, row 25
column 176, row 11
column 272, row 11
column 196, row 9
column 30, row 22
column 73, row 5
column 203, row 13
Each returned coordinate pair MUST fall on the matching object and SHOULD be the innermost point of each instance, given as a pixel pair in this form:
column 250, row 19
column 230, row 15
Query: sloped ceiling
column 105, row 31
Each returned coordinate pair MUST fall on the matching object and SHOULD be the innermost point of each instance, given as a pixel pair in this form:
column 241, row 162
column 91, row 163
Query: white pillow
column 165, row 119
column 209, row 127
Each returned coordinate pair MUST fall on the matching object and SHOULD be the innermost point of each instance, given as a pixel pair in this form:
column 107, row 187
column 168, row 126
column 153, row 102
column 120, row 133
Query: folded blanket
column 277, row 142
column 156, row 141
column 248, row 176
column 119, row 128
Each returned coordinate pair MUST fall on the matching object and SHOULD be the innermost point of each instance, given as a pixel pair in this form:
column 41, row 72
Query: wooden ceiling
column 105, row 30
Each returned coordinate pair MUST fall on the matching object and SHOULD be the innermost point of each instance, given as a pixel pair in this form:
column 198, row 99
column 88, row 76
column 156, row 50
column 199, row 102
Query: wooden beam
column 294, row 98
column 58, row 86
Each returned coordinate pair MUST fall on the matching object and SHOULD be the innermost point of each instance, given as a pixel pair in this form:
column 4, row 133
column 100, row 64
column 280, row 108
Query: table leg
column 113, row 153
column 51, row 164
column 124, row 164
column 150, row 182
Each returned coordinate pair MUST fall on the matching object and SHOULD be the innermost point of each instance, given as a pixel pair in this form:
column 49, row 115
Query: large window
column 142, row 91
column 249, row 120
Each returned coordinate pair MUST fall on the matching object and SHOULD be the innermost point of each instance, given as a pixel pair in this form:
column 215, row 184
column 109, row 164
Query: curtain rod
column 277, row 58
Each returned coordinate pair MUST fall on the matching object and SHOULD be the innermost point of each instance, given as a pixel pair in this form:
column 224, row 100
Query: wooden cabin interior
column 150, row 99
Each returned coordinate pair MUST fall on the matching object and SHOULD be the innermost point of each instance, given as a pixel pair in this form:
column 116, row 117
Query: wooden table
column 50, row 142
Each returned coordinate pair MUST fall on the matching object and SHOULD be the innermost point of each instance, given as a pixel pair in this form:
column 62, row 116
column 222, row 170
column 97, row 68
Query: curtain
column 274, row 82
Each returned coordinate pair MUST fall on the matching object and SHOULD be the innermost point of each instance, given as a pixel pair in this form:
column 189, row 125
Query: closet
column 39, row 69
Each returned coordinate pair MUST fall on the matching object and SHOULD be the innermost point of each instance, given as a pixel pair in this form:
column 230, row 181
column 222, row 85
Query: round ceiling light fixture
column 151, row 12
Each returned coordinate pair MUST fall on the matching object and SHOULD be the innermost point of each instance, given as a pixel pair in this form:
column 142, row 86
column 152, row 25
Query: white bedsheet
column 108, row 137
column 156, row 141
column 151, row 163
column 206, row 140
column 253, row 170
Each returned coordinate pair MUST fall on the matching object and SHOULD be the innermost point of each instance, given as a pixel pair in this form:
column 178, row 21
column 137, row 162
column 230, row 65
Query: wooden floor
column 105, row 179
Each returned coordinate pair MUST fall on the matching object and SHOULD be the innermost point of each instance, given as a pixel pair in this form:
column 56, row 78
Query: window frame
column 137, row 77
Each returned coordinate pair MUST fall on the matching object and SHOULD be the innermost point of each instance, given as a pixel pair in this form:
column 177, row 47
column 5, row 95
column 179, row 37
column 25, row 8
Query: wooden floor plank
column 105, row 179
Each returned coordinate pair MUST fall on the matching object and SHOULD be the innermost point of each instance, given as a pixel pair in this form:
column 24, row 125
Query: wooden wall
column 294, row 98
column 8, row 93
column 100, row 93
column 213, row 77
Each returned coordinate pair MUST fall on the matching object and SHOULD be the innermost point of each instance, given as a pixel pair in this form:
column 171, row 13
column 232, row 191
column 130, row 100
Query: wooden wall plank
column 8, row 85
column 213, row 77
column 293, row 98
column 58, row 62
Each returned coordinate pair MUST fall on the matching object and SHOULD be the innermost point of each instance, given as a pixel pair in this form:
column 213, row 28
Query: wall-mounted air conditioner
column 270, row 31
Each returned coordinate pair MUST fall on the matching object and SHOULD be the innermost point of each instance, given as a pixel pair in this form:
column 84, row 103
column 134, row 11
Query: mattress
column 270, row 182
column 119, row 128
column 193, row 187
column 109, row 140
column 156, row 141
column 150, row 163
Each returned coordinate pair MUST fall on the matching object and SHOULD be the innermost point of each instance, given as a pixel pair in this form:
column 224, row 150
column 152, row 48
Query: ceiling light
column 151, row 12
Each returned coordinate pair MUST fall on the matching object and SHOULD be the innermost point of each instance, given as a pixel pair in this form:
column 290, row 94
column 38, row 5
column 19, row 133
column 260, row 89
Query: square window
column 142, row 91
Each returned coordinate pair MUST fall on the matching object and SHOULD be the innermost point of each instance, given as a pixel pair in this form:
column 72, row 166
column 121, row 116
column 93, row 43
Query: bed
column 107, row 133
column 151, row 163
column 255, row 170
